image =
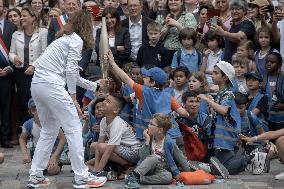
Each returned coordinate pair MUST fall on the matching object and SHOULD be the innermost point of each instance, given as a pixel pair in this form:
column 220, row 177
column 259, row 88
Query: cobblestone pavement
column 14, row 175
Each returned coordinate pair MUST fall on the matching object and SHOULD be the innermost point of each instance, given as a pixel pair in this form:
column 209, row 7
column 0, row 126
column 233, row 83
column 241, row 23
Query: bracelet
column 255, row 138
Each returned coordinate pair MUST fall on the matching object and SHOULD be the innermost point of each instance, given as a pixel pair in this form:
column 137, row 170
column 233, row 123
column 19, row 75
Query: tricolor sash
column 4, row 52
column 62, row 20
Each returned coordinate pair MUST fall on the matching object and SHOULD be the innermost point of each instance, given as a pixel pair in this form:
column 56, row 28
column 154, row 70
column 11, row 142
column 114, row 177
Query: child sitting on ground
column 91, row 128
column 117, row 141
column 30, row 136
column 258, row 101
column 250, row 124
column 180, row 75
column 159, row 156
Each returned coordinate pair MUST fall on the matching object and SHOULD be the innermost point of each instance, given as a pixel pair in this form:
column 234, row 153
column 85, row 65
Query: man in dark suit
column 6, row 31
column 71, row 6
column 137, row 25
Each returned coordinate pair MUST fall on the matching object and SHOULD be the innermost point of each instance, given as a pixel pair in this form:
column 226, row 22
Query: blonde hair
column 163, row 121
column 248, row 45
column 237, row 60
column 201, row 78
column 154, row 26
column 81, row 23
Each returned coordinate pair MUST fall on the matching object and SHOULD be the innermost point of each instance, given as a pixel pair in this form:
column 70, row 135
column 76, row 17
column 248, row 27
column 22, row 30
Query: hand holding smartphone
column 96, row 11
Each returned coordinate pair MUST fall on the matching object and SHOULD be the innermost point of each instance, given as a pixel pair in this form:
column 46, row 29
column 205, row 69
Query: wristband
column 255, row 138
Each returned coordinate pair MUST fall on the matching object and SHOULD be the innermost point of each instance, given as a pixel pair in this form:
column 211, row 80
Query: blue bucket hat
column 157, row 74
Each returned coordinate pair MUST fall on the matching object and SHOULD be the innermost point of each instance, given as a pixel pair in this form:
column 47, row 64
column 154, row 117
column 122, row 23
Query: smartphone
column 270, row 8
column 212, row 13
column 214, row 21
column 96, row 12
column 199, row 30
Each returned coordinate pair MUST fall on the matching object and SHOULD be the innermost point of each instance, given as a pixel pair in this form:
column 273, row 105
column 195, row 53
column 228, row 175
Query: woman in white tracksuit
column 56, row 107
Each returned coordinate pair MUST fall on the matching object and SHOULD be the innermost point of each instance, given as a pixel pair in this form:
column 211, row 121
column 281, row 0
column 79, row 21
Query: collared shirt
column 213, row 58
column 188, row 60
column 135, row 30
column 2, row 25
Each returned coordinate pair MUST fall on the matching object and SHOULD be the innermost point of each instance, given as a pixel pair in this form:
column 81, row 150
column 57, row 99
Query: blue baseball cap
column 31, row 103
column 254, row 75
column 157, row 74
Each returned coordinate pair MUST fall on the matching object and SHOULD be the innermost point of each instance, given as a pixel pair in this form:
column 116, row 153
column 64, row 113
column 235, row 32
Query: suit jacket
column 145, row 22
column 122, row 38
column 8, row 30
column 37, row 45
column 86, row 54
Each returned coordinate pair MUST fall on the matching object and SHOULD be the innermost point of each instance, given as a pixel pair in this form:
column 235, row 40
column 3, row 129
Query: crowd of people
column 213, row 66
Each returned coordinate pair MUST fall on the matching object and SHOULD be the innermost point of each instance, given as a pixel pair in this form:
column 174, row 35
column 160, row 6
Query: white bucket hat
column 228, row 69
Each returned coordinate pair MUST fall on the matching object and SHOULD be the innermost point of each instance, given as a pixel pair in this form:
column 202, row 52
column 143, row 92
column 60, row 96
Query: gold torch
column 103, row 51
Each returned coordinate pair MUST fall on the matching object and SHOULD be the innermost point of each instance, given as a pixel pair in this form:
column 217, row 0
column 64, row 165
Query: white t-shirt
column 118, row 132
column 213, row 58
column 158, row 150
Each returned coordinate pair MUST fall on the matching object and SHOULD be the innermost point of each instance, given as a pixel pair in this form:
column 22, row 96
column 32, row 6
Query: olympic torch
column 103, row 51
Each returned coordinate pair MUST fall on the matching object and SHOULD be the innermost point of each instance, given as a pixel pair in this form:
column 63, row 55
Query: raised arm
column 118, row 71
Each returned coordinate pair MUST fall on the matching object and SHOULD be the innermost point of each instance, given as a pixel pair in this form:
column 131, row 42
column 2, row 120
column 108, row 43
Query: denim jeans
column 233, row 162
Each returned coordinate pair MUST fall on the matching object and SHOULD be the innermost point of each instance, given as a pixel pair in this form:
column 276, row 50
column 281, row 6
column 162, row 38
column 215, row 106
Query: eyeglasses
column 236, row 8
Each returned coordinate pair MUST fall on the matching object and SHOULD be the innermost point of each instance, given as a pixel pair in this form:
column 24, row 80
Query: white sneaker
column 280, row 176
column 258, row 162
column 90, row 182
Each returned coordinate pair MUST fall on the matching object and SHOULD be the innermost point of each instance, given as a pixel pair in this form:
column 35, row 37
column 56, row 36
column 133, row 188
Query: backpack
column 179, row 57
column 193, row 136
column 279, row 89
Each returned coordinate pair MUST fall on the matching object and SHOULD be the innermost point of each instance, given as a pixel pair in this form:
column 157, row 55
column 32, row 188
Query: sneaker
column 195, row 165
column 35, row 182
column 131, row 182
column 220, row 167
column 91, row 181
column 258, row 162
column 111, row 175
column 280, row 176
column 100, row 174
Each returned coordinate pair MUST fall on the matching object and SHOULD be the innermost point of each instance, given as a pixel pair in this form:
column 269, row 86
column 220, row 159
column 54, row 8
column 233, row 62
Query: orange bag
column 199, row 177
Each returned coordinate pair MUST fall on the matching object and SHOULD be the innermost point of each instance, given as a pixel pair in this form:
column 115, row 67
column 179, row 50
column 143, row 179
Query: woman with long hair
column 119, row 37
column 26, row 46
column 38, row 6
column 225, row 13
column 174, row 20
column 14, row 16
column 57, row 107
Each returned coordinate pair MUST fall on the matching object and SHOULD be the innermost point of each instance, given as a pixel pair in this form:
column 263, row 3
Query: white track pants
column 56, row 109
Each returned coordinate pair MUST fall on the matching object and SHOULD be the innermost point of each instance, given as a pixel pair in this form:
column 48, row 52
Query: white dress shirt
column 2, row 25
column 135, row 30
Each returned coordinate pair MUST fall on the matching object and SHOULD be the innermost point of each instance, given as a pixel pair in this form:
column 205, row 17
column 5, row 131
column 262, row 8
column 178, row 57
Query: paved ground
column 14, row 175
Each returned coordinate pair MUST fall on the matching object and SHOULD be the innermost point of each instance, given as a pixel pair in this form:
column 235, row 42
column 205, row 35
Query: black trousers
column 5, row 107
column 23, row 85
